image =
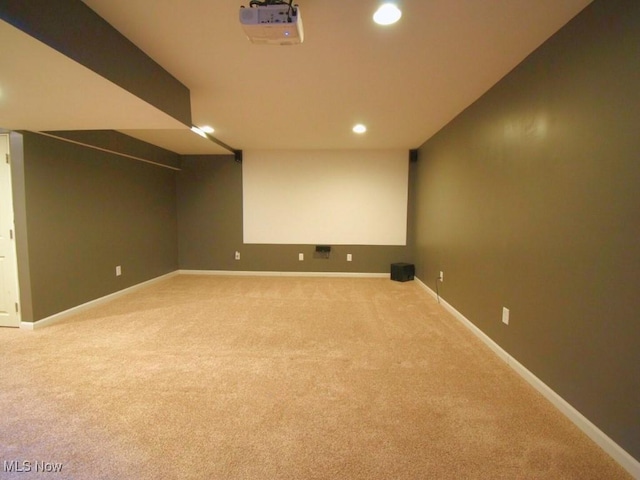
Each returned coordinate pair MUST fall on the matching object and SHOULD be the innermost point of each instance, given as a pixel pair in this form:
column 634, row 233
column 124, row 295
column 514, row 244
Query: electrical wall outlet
column 441, row 276
column 237, row 255
column 505, row 315
column 301, row 256
column 118, row 271
column 349, row 257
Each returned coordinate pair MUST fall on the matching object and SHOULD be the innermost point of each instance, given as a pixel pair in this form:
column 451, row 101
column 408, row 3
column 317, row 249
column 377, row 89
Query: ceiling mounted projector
column 272, row 22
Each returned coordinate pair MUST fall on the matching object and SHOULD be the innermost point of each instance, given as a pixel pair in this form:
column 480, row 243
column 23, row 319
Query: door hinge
column 17, row 308
column 7, row 157
column 11, row 234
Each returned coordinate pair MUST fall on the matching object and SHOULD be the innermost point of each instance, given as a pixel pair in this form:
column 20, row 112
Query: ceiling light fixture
column 387, row 14
column 359, row 128
column 199, row 131
column 207, row 129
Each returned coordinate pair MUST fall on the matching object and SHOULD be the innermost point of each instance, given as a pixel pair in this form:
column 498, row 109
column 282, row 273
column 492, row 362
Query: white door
column 9, row 316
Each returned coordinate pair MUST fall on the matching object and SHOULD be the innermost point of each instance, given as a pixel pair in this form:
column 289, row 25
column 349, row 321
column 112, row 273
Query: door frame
column 14, row 267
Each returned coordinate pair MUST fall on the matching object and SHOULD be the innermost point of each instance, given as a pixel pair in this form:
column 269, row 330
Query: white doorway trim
column 9, row 291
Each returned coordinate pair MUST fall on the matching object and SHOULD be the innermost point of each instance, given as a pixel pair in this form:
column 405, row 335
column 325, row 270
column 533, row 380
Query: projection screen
column 325, row 197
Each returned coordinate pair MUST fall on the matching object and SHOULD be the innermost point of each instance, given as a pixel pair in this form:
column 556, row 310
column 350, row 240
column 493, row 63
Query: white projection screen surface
column 325, row 197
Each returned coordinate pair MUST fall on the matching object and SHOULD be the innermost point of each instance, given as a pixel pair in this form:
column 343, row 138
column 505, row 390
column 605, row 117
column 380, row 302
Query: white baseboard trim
column 93, row 303
column 628, row 462
column 246, row 273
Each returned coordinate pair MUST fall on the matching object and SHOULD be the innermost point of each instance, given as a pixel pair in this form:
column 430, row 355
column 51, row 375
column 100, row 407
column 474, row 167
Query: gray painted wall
column 531, row 200
column 87, row 211
column 210, row 229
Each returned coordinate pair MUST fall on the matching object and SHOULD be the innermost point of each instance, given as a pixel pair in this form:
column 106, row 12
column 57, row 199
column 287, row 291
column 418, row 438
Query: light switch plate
column 505, row 315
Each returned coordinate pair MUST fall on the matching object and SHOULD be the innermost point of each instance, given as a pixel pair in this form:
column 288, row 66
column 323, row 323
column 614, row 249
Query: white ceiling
column 404, row 82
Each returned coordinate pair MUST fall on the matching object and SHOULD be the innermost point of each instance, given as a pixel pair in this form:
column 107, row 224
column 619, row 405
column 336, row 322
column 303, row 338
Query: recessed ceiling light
column 359, row 128
column 387, row 14
column 199, row 131
column 207, row 129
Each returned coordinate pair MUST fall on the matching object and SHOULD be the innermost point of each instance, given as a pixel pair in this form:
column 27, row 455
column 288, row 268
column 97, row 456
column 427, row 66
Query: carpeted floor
column 205, row 377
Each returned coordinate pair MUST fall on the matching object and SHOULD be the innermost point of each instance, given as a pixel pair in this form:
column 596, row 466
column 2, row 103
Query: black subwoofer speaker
column 402, row 272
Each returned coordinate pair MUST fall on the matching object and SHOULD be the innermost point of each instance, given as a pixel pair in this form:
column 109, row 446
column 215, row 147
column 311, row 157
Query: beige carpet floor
column 201, row 377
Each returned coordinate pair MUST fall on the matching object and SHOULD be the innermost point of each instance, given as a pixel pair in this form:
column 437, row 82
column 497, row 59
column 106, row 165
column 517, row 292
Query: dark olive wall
column 530, row 200
column 210, row 229
column 87, row 212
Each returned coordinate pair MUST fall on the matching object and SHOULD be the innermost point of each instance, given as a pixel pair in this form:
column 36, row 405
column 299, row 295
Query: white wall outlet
column 237, row 255
column 349, row 257
column 441, row 276
column 118, row 271
column 301, row 256
column 505, row 315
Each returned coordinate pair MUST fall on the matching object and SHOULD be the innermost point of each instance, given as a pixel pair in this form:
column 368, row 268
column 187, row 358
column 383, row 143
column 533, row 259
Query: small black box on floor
column 402, row 272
